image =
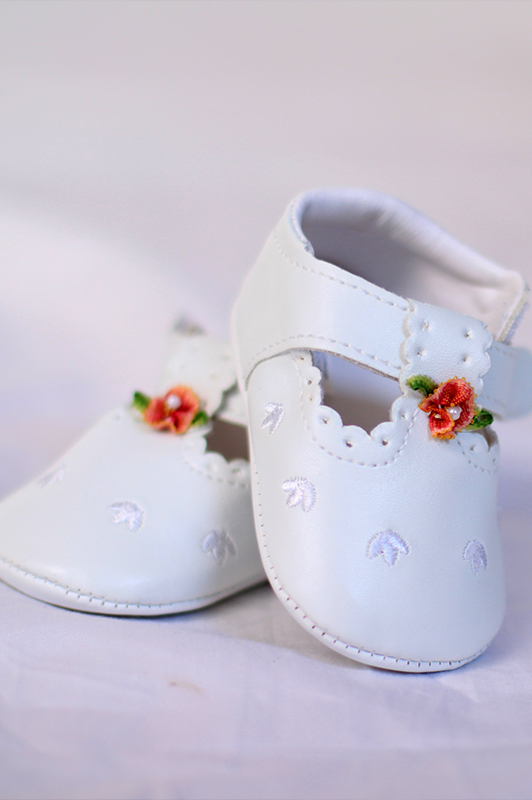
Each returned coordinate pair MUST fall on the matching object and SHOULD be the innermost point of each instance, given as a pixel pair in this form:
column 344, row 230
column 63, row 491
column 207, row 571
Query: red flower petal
column 189, row 400
column 177, row 420
column 441, row 424
column 180, row 421
column 449, row 394
column 428, row 405
column 156, row 412
column 455, row 392
column 466, row 417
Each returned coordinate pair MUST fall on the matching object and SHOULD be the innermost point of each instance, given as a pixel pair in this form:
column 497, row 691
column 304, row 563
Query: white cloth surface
column 146, row 150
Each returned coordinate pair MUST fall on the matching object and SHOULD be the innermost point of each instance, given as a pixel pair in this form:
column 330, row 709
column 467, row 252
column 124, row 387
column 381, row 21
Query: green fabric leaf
column 201, row 418
column 141, row 401
column 423, row 384
column 481, row 419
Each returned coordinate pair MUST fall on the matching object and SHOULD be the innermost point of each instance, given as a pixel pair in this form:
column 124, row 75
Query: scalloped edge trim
column 307, row 384
column 224, row 472
column 54, row 593
column 365, row 439
column 193, row 451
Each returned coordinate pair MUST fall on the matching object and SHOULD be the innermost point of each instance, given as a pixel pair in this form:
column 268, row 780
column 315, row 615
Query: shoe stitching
column 398, row 368
column 509, row 354
column 484, row 469
column 498, row 346
column 333, row 278
column 506, row 305
column 314, row 627
column 364, row 463
column 191, row 465
column 486, row 348
column 339, row 457
column 278, row 585
column 301, row 238
column 116, row 603
column 323, row 339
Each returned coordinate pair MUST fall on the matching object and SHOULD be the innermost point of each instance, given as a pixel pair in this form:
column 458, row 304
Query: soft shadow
column 258, row 616
column 229, row 440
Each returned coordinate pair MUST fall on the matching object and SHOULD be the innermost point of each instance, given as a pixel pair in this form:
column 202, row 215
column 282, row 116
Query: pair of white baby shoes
column 384, row 544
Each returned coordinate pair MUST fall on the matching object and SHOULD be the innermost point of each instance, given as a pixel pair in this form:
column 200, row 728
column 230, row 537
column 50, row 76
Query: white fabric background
column 146, row 150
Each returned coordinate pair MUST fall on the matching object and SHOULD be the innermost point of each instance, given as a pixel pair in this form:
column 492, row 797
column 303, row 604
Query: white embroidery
column 300, row 492
column 387, row 544
column 275, row 413
column 475, row 553
column 53, row 477
column 128, row 512
column 220, row 544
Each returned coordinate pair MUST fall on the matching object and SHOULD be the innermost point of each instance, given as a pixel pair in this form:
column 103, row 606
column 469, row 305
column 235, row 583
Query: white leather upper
column 292, row 299
column 137, row 521
column 384, row 545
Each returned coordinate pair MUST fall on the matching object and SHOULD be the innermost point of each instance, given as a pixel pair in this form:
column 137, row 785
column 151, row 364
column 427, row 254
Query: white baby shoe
column 136, row 520
column 383, row 545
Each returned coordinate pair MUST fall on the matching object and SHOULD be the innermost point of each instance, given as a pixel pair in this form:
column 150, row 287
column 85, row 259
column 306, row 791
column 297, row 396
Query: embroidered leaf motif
column 220, row 545
column 422, row 383
column 475, row 553
column 275, row 413
column 300, row 492
column 481, row 419
column 387, row 544
column 53, row 477
column 129, row 513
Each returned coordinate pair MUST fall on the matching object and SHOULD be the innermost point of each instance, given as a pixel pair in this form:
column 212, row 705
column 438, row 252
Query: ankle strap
column 206, row 364
column 293, row 300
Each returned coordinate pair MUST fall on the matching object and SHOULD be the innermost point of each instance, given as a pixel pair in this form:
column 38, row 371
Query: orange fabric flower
column 451, row 408
column 174, row 412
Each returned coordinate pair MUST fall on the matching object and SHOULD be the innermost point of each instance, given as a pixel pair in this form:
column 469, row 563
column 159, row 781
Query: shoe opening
column 361, row 397
column 229, row 440
column 395, row 248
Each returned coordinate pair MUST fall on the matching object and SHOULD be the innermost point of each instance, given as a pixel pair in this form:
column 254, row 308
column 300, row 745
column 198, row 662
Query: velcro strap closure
column 292, row 300
column 507, row 388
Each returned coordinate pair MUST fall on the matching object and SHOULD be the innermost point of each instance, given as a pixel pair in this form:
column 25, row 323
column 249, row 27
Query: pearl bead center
column 173, row 402
column 454, row 412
